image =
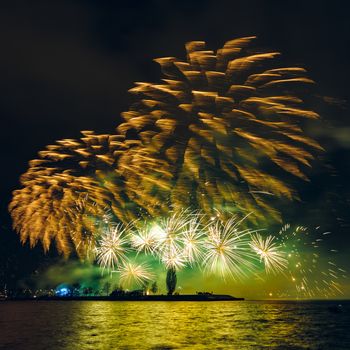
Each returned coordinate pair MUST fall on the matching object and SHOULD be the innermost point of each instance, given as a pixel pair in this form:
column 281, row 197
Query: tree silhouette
column 171, row 280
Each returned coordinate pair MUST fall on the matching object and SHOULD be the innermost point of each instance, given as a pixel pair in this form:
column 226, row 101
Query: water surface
column 173, row 325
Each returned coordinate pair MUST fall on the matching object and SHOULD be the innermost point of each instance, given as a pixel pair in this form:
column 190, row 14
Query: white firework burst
column 270, row 253
column 228, row 251
column 112, row 247
column 169, row 232
column 144, row 240
column 173, row 259
column 133, row 273
column 193, row 240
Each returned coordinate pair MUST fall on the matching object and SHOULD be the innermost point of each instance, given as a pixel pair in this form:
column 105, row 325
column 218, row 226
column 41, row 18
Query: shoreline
column 184, row 297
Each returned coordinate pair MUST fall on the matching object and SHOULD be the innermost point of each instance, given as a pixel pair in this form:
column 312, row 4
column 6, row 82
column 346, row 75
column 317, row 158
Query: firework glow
column 189, row 178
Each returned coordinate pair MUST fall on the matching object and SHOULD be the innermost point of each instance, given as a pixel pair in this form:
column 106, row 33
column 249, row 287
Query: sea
column 81, row 325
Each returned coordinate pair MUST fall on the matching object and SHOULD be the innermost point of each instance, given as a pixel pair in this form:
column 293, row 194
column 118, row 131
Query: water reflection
column 175, row 325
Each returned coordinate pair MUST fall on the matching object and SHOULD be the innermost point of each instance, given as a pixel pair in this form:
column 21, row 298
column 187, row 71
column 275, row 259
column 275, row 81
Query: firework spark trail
column 305, row 264
column 179, row 239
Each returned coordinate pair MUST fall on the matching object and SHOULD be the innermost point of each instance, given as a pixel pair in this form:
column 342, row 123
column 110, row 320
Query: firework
column 216, row 134
column 173, row 259
column 227, row 248
column 228, row 251
column 221, row 246
column 131, row 273
column 87, row 221
column 193, row 240
column 72, row 185
column 201, row 138
column 56, row 206
column 169, row 235
column 144, row 240
column 269, row 252
column 210, row 127
column 112, row 248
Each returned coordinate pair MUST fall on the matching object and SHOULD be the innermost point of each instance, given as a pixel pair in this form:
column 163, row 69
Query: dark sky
column 67, row 65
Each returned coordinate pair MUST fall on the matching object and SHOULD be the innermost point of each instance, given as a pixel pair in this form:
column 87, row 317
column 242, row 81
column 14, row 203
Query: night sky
column 66, row 66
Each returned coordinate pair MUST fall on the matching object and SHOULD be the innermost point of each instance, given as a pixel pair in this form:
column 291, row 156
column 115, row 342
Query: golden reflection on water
column 164, row 325
column 170, row 325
